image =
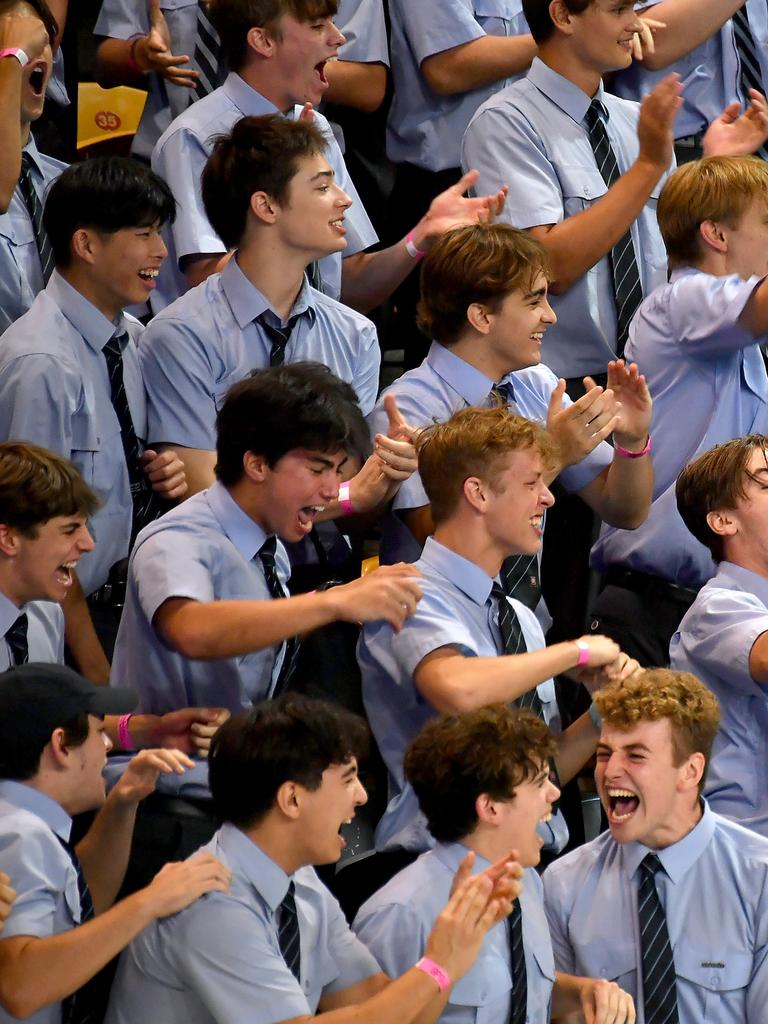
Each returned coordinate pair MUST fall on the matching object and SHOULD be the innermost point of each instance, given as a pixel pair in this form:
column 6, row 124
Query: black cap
column 37, row 698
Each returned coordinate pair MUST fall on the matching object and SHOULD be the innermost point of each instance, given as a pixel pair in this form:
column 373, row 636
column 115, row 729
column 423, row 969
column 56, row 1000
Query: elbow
column 627, row 518
column 189, row 644
column 371, row 96
column 442, row 79
column 19, row 1005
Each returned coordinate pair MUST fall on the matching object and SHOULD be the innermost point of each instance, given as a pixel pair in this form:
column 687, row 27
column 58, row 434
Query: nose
column 162, row 248
column 548, row 314
column 553, row 793
column 107, row 742
column 342, row 199
column 335, row 37
column 547, row 498
column 85, row 542
column 361, row 794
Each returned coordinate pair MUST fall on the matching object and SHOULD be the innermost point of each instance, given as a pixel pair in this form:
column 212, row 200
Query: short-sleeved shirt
column 432, row 393
column 423, row 128
column 180, row 157
column 531, row 136
column 45, row 630
column 363, row 25
column 219, row 961
column 21, row 274
column 455, row 611
column 55, row 392
column 198, row 347
column 395, row 922
column 709, row 384
column 203, row 550
column 709, row 74
column 715, row 896
column 714, row 642
column 47, row 902
column 125, row 19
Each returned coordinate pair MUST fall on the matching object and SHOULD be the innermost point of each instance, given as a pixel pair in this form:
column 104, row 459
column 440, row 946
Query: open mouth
column 622, row 804
column 320, row 70
column 338, row 225
column 307, row 515
column 537, row 522
column 37, row 79
column 64, row 573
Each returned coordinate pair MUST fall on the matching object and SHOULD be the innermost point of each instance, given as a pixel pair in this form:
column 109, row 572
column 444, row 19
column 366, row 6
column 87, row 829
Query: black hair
column 289, row 739
column 107, row 194
column 272, row 412
column 540, row 20
column 21, row 760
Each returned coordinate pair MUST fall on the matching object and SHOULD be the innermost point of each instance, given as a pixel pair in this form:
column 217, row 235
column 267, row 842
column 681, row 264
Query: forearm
column 10, row 130
column 104, row 850
column 114, row 65
column 354, row 84
column 477, row 63
column 412, row 999
column 142, row 730
column 627, row 489
column 454, row 685
column 576, row 244
column 36, row 972
column 369, row 278
column 689, row 23
column 575, row 746
column 197, row 269
column 83, row 643
column 566, row 994
column 231, row 629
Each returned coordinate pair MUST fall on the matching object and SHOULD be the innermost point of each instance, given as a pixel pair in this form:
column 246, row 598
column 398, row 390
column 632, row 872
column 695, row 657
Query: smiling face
column 311, row 220
column 122, row 266
column 299, row 56
column 86, row 766
column 747, row 252
column 602, row 35
column 323, row 811
column 513, row 341
column 296, row 489
column 40, row 568
column 646, row 796
column 516, row 503
column 517, row 819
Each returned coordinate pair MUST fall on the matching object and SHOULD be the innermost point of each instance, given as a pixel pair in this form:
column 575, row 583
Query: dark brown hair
column 36, row 485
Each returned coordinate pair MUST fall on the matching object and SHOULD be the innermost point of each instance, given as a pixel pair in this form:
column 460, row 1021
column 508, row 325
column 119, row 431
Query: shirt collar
column 34, row 154
column 32, row 800
column 247, row 536
column 88, row 321
column 466, row 380
column 9, row 612
column 249, row 102
column 452, row 854
column 572, row 100
column 745, row 579
column 680, row 856
column 247, row 302
column 467, row 576
column 266, row 877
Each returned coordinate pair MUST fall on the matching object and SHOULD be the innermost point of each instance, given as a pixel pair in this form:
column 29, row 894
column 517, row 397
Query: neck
column 277, row 273
column 11, row 587
column 561, row 59
column 261, row 81
column 26, row 131
column 485, row 842
column 467, row 537
column 278, row 840
column 475, row 350
column 247, row 496
column 711, row 262
column 77, row 276
column 753, row 561
column 679, row 828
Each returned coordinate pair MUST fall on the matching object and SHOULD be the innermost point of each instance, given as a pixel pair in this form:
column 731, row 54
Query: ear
column 479, row 317
column 263, row 207
column 260, row 41
column 722, row 523
column 561, row 17
column 59, row 751
column 255, row 467
column 288, row 800
column 84, row 245
column 692, row 772
column 485, row 808
column 476, row 493
column 713, row 236
column 10, row 541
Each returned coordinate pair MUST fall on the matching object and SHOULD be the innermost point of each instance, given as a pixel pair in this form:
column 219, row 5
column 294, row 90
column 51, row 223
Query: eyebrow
column 629, row 746
column 322, row 174
column 349, row 771
column 537, row 294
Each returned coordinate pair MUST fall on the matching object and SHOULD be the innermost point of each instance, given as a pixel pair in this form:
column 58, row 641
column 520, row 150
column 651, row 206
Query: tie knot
column 596, row 113
column 503, row 392
column 497, row 591
column 651, row 865
column 115, row 344
column 26, row 163
column 267, row 551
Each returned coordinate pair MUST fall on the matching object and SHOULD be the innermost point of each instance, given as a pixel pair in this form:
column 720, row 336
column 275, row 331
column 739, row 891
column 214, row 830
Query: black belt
column 648, row 585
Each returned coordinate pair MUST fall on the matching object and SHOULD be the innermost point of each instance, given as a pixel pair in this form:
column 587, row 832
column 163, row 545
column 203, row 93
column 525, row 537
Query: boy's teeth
column 621, row 792
column 151, row 273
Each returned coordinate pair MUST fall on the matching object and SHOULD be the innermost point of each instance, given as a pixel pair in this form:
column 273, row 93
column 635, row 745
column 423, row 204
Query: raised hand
column 152, row 52
column 24, row 32
column 140, row 777
column 737, row 134
column 655, row 125
column 390, row 593
column 579, row 428
column 634, row 403
column 453, row 209
column 189, row 730
column 642, row 41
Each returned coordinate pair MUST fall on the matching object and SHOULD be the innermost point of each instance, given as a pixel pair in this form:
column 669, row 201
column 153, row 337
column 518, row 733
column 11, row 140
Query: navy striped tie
column 627, row 290
column 519, row 973
column 750, row 75
column 88, row 1003
column 207, row 55
column 35, row 210
column 275, row 588
column 288, row 935
column 16, row 638
column 659, row 980
column 514, row 643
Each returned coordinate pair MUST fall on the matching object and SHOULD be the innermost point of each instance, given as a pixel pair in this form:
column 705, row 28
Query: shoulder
column 618, row 107
column 564, row 878
column 536, row 384
column 338, row 313
column 745, row 849
column 422, row 396
column 184, row 313
column 42, row 330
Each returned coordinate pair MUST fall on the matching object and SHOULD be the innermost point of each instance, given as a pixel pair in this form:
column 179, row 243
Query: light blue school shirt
column 21, row 274
column 395, row 922
column 531, row 137
column 432, row 393
column 709, row 74
column 197, row 348
column 124, row 19
column 47, row 899
column 713, row 642
column 45, row 631
column 204, row 550
column 180, row 156
column 714, row 892
column 55, row 392
column 219, row 961
column 709, row 385
column 456, row 610
column 423, row 128
column 364, row 27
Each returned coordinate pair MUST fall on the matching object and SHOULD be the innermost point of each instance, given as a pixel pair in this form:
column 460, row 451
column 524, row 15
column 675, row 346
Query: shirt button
column 714, row 981
column 587, row 191
column 603, row 972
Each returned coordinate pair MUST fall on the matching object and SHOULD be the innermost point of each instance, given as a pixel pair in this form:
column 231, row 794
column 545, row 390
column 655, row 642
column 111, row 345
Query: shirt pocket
column 721, row 976
column 501, row 10
column 581, row 186
column 613, row 959
column 484, row 994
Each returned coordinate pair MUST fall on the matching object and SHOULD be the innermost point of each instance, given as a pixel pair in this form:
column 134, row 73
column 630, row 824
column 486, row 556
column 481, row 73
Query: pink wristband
column 583, row 653
column 123, row 736
column 410, row 247
column 133, row 64
column 626, row 454
column 434, row 971
column 345, row 502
